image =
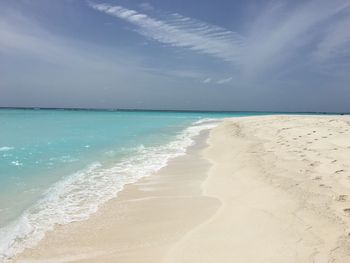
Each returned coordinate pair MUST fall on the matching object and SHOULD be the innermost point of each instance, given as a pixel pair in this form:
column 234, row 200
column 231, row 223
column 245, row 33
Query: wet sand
column 142, row 223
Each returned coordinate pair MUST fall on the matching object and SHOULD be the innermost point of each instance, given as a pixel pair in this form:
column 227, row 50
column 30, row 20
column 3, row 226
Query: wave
column 79, row 195
column 6, row 148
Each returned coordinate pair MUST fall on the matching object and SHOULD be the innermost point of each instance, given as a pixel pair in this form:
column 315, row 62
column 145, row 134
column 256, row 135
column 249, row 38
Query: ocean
column 59, row 166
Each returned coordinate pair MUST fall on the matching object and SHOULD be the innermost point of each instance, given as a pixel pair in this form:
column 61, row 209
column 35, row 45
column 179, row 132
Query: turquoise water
column 58, row 166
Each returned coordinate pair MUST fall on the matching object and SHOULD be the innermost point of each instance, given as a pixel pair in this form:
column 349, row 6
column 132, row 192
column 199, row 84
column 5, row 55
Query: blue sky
column 164, row 54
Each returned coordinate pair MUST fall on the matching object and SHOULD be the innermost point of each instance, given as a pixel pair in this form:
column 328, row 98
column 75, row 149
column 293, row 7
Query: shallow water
column 58, row 166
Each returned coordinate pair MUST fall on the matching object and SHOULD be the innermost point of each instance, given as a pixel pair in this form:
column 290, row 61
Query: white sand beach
column 264, row 189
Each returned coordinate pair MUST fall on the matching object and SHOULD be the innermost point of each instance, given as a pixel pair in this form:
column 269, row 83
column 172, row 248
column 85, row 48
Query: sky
column 234, row 55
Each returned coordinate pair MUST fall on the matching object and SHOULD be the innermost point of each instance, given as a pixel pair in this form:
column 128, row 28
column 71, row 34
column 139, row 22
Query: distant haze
column 182, row 55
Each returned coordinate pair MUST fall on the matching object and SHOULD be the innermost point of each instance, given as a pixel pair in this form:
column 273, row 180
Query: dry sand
column 265, row 189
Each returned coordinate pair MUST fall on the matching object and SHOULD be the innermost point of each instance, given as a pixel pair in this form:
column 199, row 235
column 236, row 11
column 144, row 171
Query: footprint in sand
column 339, row 171
column 342, row 198
column 347, row 211
column 317, row 178
column 334, row 161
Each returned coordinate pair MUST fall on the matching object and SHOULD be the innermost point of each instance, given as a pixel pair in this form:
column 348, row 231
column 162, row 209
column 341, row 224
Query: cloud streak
column 22, row 37
column 280, row 33
column 207, row 80
column 180, row 31
column 286, row 54
column 224, row 81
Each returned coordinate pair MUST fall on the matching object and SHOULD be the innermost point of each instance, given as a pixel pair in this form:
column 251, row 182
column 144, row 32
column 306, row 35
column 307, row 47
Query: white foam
column 17, row 163
column 78, row 196
column 6, row 148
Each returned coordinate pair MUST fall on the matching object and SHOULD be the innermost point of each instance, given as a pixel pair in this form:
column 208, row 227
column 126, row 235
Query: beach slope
column 265, row 189
column 284, row 183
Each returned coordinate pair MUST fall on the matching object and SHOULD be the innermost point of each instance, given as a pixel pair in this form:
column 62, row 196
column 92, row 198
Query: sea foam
column 6, row 148
column 79, row 195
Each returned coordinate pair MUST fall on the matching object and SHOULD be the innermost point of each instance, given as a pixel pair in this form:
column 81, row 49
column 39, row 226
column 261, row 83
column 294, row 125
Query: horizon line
column 173, row 110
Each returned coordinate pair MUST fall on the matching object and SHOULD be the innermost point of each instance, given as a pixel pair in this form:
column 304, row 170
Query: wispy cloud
column 22, row 37
column 224, row 81
column 284, row 32
column 207, row 80
column 281, row 32
column 283, row 49
column 180, row 31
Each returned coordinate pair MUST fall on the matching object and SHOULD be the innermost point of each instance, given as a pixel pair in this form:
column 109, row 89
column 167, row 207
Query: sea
column 58, row 166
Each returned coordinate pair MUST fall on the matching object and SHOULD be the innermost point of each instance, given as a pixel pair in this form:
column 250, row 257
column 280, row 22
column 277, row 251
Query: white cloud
column 279, row 33
column 22, row 37
column 207, row 80
column 179, row 31
column 282, row 31
column 224, row 81
column 275, row 36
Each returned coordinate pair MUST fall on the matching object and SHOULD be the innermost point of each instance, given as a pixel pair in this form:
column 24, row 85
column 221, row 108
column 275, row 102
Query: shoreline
column 257, row 189
column 76, row 197
column 131, row 221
